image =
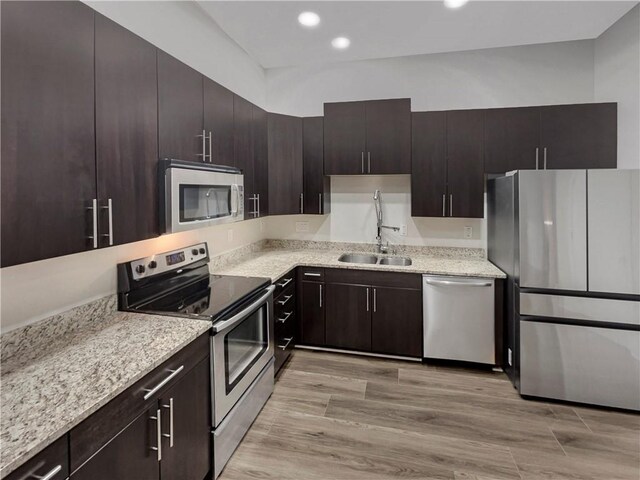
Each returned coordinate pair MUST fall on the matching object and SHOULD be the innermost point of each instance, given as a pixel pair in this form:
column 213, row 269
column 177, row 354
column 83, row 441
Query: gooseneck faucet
column 377, row 200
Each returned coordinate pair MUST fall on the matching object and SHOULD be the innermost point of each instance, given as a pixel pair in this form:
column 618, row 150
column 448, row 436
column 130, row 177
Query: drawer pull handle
column 50, row 474
column 285, row 282
column 286, row 345
column 286, row 299
column 311, row 274
column 286, row 317
column 152, row 391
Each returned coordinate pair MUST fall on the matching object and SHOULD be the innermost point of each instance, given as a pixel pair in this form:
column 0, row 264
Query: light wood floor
column 338, row 416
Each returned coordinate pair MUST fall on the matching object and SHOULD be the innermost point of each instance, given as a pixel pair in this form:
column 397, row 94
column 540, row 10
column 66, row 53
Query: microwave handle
column 235, row 199
column 238, row 317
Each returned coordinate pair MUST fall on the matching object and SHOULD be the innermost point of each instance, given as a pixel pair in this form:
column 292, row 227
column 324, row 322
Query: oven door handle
column 238, row 317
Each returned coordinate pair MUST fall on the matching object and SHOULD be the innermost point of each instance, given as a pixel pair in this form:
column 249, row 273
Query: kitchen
column 286, row 239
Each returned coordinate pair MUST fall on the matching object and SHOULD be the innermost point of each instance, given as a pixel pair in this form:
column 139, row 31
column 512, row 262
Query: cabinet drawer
column 285, row 302
column 53, row 458
column 369, row 277
column 283, row 350
column 311, row 274
column 284, row 283
column 102, row 426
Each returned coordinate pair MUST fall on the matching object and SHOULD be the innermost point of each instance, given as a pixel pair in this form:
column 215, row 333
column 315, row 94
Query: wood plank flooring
column 347, row 417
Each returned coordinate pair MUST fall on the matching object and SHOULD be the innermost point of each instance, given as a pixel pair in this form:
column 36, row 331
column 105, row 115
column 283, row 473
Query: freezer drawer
column 614, row 231
column 459, row 318
column 599, row 366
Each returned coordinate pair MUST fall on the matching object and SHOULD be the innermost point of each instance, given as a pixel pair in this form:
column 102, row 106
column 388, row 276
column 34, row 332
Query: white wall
column 617, row 79
column 36, row 290
column 514, row 76
column 185, row 31
column 353, row 219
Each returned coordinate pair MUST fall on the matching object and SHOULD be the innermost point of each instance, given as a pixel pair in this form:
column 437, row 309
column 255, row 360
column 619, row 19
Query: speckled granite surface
column 278, row 257
column 59, row 371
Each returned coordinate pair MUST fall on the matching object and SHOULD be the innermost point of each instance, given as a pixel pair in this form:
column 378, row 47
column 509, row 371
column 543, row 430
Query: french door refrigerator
column 569, row 241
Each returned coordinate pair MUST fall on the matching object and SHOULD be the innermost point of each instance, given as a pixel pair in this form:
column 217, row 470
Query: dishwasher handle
column 449, row 283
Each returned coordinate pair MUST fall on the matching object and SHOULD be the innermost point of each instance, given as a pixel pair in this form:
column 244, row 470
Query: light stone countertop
column 80, row 364
column 275, row 262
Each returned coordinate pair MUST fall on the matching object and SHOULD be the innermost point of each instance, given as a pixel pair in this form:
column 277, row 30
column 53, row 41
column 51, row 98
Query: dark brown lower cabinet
column 285, row 314
column 348, row 316
column 312, row 307
column 51, row 463
column 396, row 322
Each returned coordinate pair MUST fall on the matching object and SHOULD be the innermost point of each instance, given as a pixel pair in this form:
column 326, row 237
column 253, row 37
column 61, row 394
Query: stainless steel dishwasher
column 459, row 318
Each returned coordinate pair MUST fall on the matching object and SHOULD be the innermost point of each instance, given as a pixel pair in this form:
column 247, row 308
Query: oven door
column 200, row 198
column 241, row 346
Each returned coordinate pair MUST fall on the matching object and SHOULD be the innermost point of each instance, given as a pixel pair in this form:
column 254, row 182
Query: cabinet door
column 48, row 141
column 126, row 133
column 218, row 122
column 428, row 164
column 388, row 126
column 260, row 162
column 316, row 184
column 243, row 149
column 511, row 139
column 344, row 138
column 465, row 168
column 189, row 457
column 127, row 455
column 285, row 164
column 579, row 136
column 396, row 321
column 180, row 123
column 348, row 316
column 312, row 307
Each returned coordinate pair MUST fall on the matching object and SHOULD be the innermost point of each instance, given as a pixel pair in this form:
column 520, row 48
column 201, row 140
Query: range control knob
column 140, row 269
column 152, row 264
column 194, row 251
column 202, row 251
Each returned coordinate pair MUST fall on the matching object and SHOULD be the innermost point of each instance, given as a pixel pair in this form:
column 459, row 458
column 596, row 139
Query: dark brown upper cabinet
column 511, row 139
column 429, row 164
column 368, row 137
column 579, row 136
column 260, row 162
column 285, row 164
column 48, row 137
column 317, row 191
column 465, row 167
column 181, row 134
column 126, row 102
column 244, row 150
column 218, row 122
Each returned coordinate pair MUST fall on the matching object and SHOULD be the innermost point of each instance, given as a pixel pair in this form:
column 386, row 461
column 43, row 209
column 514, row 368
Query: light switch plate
column 230, row 235
column 468, row 232
column 302, row 226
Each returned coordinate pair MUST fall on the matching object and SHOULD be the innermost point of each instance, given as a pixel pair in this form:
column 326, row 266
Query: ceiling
column 270, row 33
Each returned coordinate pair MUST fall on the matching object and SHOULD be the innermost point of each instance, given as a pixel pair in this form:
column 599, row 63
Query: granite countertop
column 61, row 370
column 275, row 262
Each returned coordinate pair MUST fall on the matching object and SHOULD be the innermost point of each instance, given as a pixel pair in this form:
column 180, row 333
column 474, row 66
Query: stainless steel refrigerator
column 569, row 241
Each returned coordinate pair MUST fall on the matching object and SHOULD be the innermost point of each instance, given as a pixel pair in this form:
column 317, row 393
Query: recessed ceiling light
column 309, row 19
column 340, row 43
column 455, row 3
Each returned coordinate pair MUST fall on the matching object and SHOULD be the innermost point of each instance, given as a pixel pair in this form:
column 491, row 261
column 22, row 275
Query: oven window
column 244, row 345
column 202, row 202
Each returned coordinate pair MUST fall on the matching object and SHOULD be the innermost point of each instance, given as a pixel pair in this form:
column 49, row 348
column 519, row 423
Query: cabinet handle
column 49, row 475
column 368, row 162
column 311, row 274
column 284, row 347
column 204, row 146
column 170, row 434
column 258, row 209
column 320, row 203
column 537, row 156
column 285, row 318
column 210, row 147
column 152, row 391
column 286, row 299
column 302, row 203
column 285, row 282
column 544, row 157
column 367, row 299
column 158, row 419
column 362, row 162
column 451, row 204
column 94, row 214
column 109, row 209
column 375, row 301
column 320, row 295
column 444, row 211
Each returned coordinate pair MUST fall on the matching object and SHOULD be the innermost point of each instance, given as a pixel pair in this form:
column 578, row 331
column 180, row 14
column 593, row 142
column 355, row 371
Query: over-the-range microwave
column 196, row 195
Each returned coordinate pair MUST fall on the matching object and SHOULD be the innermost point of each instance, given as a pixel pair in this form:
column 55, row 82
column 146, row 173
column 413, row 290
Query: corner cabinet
column 369, row 137
column 316, row 186
column 285, row 164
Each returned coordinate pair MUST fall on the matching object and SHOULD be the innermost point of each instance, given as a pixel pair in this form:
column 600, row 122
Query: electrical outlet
column 229, row 236
column 468, row 232
column 302, row 226
column 403, row 230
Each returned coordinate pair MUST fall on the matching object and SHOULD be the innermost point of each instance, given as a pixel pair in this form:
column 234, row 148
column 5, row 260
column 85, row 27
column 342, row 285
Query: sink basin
column 358, row 258
column 401, row 261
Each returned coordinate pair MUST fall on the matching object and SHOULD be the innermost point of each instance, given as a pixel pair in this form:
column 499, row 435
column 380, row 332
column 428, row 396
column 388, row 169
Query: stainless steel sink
column 358, row 258
column 400, row 261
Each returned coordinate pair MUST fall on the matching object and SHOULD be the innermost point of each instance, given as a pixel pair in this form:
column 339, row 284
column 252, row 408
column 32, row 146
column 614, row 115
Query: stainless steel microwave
column 196, row 195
